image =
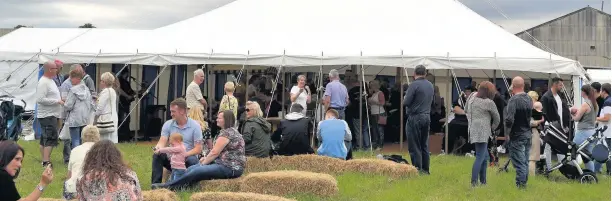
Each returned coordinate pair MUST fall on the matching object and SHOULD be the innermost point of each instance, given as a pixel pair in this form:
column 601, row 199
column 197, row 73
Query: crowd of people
column 192, row 150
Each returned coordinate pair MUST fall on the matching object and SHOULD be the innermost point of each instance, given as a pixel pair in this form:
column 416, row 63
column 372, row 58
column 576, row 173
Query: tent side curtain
column 176, row 83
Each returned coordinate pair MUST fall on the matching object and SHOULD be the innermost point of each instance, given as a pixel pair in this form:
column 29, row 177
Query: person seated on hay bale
column 192, row 138
column 256, row 132
column 292, row 133
column 226, row 160
column 90, row 135
column 334, row 136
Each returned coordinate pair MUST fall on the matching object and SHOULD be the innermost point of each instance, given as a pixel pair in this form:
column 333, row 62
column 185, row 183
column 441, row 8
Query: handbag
column 107, row 126
column 382, row 119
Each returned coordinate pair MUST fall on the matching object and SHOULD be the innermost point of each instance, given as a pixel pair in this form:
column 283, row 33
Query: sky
column 134, row 14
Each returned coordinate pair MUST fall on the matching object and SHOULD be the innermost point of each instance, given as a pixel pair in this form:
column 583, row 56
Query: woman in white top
column 90, row 136
column 378, row 118
column 300, row 93
column 106, row 109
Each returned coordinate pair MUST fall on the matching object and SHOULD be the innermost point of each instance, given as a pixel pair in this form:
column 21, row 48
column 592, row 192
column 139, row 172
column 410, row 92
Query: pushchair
column 560, row 142
column 10, row 118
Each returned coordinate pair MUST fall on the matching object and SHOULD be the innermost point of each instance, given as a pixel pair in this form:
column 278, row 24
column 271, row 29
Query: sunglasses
column 248, row 110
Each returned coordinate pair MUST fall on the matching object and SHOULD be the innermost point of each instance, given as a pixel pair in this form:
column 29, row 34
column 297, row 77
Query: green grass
column 449, row 181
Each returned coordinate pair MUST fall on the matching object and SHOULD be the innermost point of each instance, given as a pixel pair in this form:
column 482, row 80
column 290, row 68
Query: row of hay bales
column 266, row 179
column 327, row 165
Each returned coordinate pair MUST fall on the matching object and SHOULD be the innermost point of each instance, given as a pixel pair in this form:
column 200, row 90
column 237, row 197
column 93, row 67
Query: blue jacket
column 335, row 137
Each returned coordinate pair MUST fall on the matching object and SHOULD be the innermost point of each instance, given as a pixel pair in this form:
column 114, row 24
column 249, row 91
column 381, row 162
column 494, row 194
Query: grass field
column 449, row 180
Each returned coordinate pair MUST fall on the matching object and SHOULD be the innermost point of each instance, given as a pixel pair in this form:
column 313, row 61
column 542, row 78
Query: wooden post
column 449, row 97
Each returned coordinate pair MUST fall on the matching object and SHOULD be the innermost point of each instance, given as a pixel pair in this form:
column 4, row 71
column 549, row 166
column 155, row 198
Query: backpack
column 7, row 111
column 396, row 158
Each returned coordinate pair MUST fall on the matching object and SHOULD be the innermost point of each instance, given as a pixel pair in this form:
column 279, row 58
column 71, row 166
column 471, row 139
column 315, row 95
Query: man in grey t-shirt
column 517, row 119
column 49, row 102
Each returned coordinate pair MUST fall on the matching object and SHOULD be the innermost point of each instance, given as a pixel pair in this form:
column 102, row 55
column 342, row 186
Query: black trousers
column 417, row 133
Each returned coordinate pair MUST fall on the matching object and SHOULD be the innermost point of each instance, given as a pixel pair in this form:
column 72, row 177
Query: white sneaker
column 469, row 155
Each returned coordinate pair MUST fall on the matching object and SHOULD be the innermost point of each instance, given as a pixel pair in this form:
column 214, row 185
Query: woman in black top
column 11, row 156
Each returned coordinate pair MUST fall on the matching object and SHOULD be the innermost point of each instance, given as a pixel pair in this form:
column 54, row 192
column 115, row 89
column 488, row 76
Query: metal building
column 4, row 31
column 582, row 35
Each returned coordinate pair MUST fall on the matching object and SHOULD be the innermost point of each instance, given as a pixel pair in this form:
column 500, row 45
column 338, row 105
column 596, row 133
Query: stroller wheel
column 588, row 178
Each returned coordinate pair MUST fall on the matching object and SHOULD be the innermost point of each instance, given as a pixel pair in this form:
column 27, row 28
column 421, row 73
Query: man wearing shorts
column 48, row 99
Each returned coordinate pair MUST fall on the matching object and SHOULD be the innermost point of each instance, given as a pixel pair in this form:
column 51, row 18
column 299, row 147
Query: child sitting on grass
column 177, row 154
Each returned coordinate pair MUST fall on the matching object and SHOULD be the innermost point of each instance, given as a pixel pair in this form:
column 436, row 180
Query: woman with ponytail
column 586, row 115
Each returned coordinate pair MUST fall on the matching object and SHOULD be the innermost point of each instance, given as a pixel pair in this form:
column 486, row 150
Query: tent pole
column 449, row 94
column 283, row 94
column 400, row 79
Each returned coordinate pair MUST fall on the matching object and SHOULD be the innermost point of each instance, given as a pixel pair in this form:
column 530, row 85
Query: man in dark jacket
column 292, row 135
column 417, row 101
column 516, row 120
column 554, row 107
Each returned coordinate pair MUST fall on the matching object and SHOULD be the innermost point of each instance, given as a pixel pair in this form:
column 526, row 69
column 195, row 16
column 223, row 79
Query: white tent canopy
column 442, row 34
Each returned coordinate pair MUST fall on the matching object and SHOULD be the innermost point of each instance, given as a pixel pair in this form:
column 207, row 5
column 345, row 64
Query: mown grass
column 449, row 180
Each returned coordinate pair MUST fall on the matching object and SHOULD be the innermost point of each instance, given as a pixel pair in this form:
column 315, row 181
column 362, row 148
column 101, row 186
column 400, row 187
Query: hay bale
column 49, row 199
column 381, row 167
column 258, row 165
column 222, row 185
column 309, row 163
column 289, row 182
column 159, row 195
column 229, row 196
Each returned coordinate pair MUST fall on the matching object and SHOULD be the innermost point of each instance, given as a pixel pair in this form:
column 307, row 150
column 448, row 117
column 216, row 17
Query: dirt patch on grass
column 290, row 182
column 159, row 195
column 230, row 196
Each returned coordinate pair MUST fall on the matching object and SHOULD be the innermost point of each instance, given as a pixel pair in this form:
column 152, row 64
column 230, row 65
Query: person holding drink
column 300, row 93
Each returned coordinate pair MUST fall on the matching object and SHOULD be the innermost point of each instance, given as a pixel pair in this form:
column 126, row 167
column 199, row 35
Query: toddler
column 177, row 154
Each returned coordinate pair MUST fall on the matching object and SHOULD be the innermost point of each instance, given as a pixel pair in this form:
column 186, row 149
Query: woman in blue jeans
column 226, row 160
column 586, row 115
column 483, row 118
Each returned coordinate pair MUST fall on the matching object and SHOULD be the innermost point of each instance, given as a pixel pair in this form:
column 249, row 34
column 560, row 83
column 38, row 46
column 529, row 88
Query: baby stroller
column 560, row 142
column 10, row 118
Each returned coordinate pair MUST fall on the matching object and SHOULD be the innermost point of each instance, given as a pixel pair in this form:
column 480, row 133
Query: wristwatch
column 40, row 188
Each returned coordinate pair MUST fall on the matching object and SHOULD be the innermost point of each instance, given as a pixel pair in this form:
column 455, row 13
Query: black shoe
column 47, row 163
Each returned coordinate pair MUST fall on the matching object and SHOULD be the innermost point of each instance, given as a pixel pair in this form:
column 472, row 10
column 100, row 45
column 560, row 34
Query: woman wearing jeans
column 226, row 160
column 483, row 118
column 78, row 106
column 585, row 115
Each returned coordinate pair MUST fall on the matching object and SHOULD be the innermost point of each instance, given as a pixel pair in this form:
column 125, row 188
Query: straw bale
column 230, row 196
column 381, row 167
column 159, row 195
column 290, row 182
column 230, row 185
column 49, row 199
column 307, row 162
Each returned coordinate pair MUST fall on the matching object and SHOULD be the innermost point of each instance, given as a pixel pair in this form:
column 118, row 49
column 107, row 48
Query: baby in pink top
column 177, row 154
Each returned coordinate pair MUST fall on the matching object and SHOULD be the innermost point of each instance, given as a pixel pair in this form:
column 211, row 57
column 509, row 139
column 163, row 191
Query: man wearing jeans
column 517, row 118
column 417, row 101
column 336, row 95
column 192, row 139
column 49, row 103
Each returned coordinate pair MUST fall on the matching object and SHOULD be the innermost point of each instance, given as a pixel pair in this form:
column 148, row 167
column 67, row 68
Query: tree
column 87, row 25
column 19, row 26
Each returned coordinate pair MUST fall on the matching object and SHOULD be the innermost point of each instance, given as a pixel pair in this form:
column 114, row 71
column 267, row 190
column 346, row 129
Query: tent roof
column 23, row 43
column 297, row 32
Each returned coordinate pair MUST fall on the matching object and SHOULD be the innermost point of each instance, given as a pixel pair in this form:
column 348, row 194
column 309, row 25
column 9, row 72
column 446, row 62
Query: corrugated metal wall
column 583, row 35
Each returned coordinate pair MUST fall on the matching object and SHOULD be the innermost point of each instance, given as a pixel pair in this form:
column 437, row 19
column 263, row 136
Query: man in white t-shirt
column 604, row 120
column 193, row 94
column 49, row 101
column 300, row 94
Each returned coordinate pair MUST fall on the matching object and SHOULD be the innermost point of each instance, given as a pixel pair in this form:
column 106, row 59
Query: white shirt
column 75, row 166
column 301, row 99
column 559, row 108
column 193, row 95
column 605, row 110
column 47, row 98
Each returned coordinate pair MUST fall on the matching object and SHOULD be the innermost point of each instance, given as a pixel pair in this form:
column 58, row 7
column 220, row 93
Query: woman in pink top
column 177, row 155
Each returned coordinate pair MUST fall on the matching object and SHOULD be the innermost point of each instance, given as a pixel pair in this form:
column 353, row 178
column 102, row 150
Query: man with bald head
column 516, row 118
column 49, row 103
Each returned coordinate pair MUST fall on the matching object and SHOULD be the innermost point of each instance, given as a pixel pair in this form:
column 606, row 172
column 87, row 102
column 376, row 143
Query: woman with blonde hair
column 256, row 132
column 90, row 135
column 378, row 115
column 536, row 120
column 196, row 115
column 229, row 102
column 106, row 117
